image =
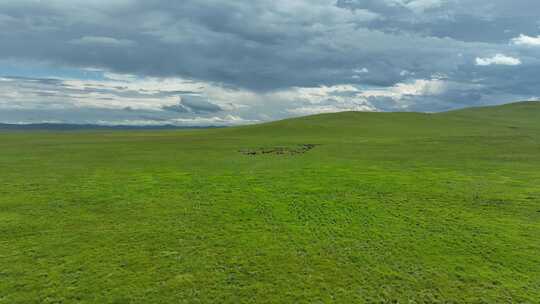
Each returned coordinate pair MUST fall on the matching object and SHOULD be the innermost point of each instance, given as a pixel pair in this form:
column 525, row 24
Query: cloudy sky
column 227, row 62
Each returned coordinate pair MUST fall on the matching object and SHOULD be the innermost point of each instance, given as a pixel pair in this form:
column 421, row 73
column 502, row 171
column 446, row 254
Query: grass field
column 384, row 208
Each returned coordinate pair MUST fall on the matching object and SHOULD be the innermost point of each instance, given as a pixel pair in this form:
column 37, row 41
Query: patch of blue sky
column 10, row 68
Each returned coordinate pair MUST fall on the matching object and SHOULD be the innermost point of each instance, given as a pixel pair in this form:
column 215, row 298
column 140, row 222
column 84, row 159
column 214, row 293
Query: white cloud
column 526, row 40
column 361, row 71
column 406, row 73
column 128, row 93
column 228, row 120
column 498, row 59
column 116, row 91
column 104, row 41
column 420, row 6
column 310, row 110
column 340, row 98
column 419, row 87
column 119, row 77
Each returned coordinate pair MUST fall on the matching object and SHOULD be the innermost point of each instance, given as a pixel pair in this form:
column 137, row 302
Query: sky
column 227, row 62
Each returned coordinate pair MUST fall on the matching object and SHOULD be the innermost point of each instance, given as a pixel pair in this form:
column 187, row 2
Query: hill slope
column 386, row 207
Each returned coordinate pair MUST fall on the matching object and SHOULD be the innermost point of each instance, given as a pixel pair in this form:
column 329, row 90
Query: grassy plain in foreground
column 386, row 208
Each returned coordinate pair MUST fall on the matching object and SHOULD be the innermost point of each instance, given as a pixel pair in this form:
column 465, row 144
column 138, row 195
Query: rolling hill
column 346, row 208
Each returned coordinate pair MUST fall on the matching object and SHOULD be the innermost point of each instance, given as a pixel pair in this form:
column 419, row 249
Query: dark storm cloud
column 494, row 21
column 259, row 45
column 269, row 45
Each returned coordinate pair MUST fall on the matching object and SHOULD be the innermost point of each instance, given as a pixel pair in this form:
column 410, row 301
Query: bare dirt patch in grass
column 291, row 150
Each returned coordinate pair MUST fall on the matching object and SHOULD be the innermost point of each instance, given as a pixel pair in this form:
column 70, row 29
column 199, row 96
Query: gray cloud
column 494, row 21
column 248, row 44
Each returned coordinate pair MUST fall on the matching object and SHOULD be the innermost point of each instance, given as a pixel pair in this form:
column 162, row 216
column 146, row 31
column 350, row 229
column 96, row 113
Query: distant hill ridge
column 520, row 111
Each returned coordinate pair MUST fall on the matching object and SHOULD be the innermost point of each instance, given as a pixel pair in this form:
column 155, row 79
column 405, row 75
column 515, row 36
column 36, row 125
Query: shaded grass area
column 388, row 208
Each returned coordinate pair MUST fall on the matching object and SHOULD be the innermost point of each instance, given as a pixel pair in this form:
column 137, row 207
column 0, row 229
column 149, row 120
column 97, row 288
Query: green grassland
column 385, row 208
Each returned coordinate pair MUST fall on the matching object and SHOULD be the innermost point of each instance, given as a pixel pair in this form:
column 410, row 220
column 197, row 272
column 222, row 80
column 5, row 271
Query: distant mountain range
column 70, row 127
